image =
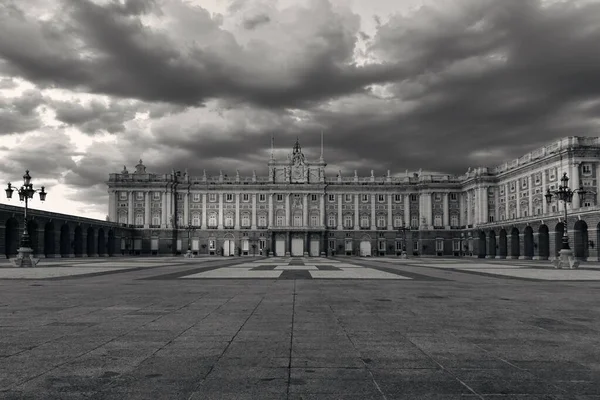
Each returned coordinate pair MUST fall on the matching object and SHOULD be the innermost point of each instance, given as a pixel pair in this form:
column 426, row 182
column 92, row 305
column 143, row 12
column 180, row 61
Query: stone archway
column 49, row 241
column 90, row 241
column 65, row 241
column 493, row 245
column 528, row 243
column 11, row 238
column 558, row 234
column 101, row 245
column 515, row 251
column 580, row 245
column 78, row 242
column 544, row 243
column 482, row 245
column 110, row 245
column 503, row 244
column 32, row 229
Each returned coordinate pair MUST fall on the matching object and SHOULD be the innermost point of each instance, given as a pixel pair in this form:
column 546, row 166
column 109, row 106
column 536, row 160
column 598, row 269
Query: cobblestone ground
column 299, row 328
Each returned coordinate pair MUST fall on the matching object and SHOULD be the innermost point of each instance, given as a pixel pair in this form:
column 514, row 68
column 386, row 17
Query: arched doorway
column 32, row 229
column 365, row 246
column 558, row 234
column 49, row 242
column 65, row 241
column 544, row 243
column 229, row 245
column 482, row 245
column 11, row 240
column 110, row 246
column 503, row 245
column 515, row 252
column 580, row 245
column 492, row 247
column 90, row 241
column 528, row 242
column 101, row 243
column 78, row 241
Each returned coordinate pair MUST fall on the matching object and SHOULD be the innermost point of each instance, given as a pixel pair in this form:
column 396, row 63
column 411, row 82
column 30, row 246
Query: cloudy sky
column 87, row 86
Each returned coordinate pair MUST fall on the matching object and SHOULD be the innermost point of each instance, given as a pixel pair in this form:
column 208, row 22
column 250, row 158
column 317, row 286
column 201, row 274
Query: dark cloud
column 20, row 114
column 256, row 20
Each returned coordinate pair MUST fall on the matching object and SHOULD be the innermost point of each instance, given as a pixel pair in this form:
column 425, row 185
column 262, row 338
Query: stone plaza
column 299, row 328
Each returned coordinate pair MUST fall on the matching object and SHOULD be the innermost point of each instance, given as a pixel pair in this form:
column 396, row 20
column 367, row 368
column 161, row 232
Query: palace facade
column 299, row 209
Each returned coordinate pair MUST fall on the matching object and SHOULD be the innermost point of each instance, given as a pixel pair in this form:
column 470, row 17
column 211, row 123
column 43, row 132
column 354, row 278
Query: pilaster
column 237, row 210
column 446, row 216
column 305, row 209
column 340, row 221
column 147, row 209
column 253, row 211
column 356, row 212
column 203, row 211
column 390, row 222
column 220, row 222
column 373, row 221
column 130, row 207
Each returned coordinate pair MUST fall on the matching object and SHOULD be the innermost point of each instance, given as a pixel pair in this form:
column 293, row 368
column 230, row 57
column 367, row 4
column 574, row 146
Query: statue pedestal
column 566, row 260
column 25, row 258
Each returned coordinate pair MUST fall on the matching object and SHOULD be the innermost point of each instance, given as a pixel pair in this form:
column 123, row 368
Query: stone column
column 356, row 212
column 130, row 207
column 270, row 221
column 169, row 208
column 468, row 195
column 373, row 221
column 322, row 210
column 253, row 211
column 530, row 190
column 390, row 222
column 340, row 217
column 496, row 204
column 147, row 219
column 483, row 192
column 544, row 204
column 163, row 210
column 186, row 208
column 305, row 210
column 506, row 200
column 407, row 210
column 287, row 210
column 220, row 222
column 574, row 184
column 203, row 211
column 112, row 206
column 446, row 217
column 237, row 210
column 518, row 191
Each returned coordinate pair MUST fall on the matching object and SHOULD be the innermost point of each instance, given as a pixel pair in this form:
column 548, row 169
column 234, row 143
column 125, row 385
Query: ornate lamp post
column 26, row 192
column 189, row 228
column 403, row 229
column 565, row 194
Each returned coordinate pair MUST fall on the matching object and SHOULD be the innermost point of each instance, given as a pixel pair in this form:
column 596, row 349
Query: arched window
column 212, row 220
column 229, row 221
column 280, row 220
column 297, row 219
column 245, row 220
column 437, row 220
column 139, row 219
column 262, row 221
column 331, row 220
column 180, row 220
column 348, row 221
column 381, row 221
column 397, row 221
column 156, row 219
column 196, row 219
column 314, row 220
column 122, row 217
column 364, row 221
column 454, row 220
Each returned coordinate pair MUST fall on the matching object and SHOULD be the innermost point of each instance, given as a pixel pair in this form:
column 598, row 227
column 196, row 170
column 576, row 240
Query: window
column 502, row 189
column 453, row 196
column 314, row 220
column 212, row 197
column 414, row 221
column 365, row 198
column 437, row 196
column 454, row 220
column 381, row 245
column 155, row 219
column 399, row 245
column 331, row 220
column 380, row 198
column 229, row 197
column 279, row 197
column 332, row 197
column 456, row 245
column 262, row 221
column 439, row 245
column 262, row 197
column 587, row 203
column 538, row 178
column 122, row 195
column 196, row 197
column 490, row 218
column 364, row 221
column 381, row 221
column 122, row 217
column 155, row 195
column 313, row 197
column 538, row 211
column 229, row 221
column 347, row 221
column 280, row 220
column 262, row 243
column 245, row 220
column 553, row 207
column 397, row 221
column 245, row 197
column 586, row 169
column 179, row 219
column 180, row 196
column 212, row 220
column 413, row 197
column 297, row 220
column 512, row 187
column 348, row 245
column 348, row 198
column 437, row 220
column 397, row 198
column 212, row 244
column 139, row 195
column 416, row 245
column 196, row 219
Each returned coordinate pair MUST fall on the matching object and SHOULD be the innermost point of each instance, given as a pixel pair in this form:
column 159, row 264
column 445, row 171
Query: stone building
column 300, row 209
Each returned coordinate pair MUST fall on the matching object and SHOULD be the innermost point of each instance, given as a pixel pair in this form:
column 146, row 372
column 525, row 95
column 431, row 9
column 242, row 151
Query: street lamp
column 403, row 228
column 26, row 192
column 189, row 228
column 565, row 194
